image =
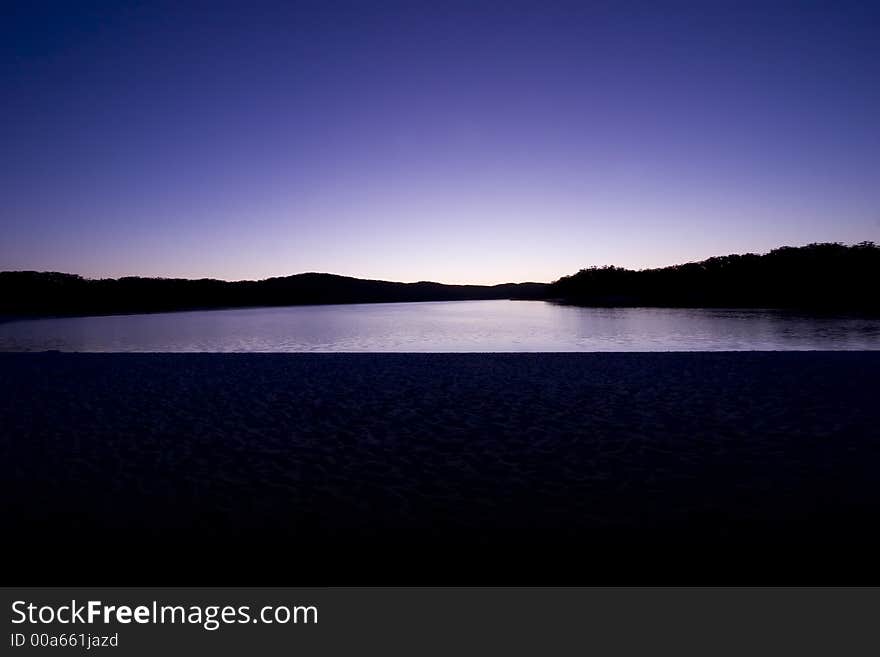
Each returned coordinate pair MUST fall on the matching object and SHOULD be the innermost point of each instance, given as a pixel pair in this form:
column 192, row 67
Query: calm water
column 445, row 326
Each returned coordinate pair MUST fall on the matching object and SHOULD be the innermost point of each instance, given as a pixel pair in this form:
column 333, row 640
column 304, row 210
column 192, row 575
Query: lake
column 454, row 326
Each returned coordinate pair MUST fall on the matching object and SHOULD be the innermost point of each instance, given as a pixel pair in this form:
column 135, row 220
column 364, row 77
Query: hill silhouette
column 827, row 276
column 53, row 293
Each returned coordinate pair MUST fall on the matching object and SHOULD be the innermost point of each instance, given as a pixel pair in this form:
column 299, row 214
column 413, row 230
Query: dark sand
column 441, row 468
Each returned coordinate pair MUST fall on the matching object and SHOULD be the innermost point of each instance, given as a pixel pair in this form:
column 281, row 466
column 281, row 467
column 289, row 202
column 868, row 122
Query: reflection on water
column 445, row 326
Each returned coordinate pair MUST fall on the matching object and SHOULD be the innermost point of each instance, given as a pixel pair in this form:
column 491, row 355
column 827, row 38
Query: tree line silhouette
column 53, row 293
column 826, row 276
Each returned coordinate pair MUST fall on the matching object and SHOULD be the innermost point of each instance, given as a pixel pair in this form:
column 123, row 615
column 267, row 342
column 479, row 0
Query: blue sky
column 461, row 142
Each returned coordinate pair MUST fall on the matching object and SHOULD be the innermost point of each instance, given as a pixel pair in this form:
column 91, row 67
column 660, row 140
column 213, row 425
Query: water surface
column 454, row 326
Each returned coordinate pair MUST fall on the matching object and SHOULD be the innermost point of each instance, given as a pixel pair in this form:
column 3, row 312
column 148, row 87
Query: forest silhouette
column 53, row 293
column 828, row 276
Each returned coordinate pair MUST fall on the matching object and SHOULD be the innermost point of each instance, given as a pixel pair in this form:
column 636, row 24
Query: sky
column 462, row 142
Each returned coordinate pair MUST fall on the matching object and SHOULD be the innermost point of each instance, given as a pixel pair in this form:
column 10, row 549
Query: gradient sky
column 461, row 142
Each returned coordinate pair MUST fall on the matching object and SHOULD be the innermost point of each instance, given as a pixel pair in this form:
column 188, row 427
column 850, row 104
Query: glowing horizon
column 466, row 144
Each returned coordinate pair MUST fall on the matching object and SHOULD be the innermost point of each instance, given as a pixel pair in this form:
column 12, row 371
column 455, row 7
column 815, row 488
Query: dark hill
column 52, row 293
column 832, row 277
column 817, row 276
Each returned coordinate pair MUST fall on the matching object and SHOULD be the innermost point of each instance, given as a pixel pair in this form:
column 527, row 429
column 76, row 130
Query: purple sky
column 461, row 142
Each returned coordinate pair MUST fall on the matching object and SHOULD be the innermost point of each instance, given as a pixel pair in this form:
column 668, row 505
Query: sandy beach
column 443, row 468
